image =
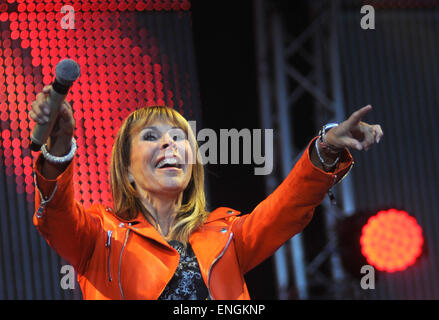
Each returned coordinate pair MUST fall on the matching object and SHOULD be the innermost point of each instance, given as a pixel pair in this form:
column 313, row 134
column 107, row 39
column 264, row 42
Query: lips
column 168, row 163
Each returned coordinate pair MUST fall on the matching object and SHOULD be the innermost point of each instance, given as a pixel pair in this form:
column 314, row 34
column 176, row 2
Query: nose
column 167, row 141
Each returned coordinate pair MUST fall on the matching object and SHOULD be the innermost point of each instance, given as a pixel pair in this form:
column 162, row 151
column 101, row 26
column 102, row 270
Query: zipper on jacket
column 108, row 245
column 120, row 262
column 215, row 261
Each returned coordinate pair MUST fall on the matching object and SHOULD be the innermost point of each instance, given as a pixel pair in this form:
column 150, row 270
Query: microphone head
column 67, row 71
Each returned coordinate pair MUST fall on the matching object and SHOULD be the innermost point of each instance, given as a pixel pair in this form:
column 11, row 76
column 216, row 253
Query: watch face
column 330, row 126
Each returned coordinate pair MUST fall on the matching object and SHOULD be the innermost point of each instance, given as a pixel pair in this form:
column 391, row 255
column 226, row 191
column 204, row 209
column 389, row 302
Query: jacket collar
column 142, row 227
column 220, row 213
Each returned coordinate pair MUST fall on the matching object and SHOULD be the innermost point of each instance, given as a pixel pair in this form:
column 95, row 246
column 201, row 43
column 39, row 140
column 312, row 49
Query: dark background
column 225, row 55
column 225, row 48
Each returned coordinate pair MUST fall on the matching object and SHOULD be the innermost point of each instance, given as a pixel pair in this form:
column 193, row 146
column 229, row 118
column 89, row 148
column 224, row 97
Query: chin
column 172, row 187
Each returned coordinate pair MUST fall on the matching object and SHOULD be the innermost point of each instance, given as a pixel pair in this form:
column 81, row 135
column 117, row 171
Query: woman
column 159, row 242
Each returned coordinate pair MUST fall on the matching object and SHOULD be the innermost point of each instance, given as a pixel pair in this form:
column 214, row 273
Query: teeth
column 171, row 161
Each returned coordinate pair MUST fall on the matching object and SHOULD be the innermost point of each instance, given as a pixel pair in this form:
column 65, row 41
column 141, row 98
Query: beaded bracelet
column 54, row 159
column 330, row 165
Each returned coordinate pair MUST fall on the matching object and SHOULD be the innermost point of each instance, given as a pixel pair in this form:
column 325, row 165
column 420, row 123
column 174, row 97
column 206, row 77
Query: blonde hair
column 126, row 200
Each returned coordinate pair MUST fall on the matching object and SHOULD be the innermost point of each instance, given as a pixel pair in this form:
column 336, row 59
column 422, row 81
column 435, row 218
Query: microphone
column 66, row 72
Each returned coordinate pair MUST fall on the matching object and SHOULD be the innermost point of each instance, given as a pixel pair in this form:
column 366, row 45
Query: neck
column 162, row 209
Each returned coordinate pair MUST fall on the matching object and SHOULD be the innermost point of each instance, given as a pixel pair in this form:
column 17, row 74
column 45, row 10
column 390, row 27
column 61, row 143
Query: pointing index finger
column 356, row 117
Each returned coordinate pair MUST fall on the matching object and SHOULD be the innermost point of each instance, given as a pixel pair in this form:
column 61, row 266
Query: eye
column 178, row 135
column 149, row 136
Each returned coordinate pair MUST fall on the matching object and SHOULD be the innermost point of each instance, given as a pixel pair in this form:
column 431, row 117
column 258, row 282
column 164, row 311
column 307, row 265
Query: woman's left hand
column 354, row 133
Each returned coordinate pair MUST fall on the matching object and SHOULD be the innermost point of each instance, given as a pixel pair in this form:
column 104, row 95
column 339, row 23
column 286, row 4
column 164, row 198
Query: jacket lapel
column 209, row 240
column 143, row 228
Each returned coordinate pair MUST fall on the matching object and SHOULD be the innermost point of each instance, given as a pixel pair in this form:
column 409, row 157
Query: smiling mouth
column 170, row 169
column 169, row 163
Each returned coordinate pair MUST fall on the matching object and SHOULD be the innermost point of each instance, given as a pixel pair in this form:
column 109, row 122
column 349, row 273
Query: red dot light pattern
column 118, row 74
column 391, row 240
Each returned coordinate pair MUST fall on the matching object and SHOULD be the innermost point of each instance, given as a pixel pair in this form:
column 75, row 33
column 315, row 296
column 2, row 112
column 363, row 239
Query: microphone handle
column 41, row 132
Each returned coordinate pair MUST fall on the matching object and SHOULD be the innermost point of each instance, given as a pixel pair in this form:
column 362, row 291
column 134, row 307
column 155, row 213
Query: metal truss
column 282, row 82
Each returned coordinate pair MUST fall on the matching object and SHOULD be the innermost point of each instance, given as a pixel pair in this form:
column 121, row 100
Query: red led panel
column 391, row 240
column 122, row 68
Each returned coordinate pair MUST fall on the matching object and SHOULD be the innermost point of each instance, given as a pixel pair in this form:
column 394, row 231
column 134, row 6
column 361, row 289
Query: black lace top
column 187, row 282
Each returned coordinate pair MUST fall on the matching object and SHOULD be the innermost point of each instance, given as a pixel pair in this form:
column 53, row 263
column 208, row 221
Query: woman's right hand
column 60, row 137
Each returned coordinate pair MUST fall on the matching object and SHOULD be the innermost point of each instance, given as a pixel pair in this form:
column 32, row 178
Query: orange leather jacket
column 117, row 259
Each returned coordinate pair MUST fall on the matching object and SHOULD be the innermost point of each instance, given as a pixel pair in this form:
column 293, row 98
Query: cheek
column 141, row 156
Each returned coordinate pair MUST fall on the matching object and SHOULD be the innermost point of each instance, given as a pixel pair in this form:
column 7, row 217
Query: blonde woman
column 159, row 241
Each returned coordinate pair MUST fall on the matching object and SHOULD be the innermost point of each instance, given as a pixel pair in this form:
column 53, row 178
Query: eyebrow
column 155, row 128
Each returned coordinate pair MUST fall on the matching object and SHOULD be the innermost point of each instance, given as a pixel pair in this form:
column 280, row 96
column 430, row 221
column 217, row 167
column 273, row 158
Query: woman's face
column 161, row 159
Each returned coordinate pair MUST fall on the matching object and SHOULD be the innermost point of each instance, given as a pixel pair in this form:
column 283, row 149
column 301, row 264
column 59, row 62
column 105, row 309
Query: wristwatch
column 322, row 134
column 326, row 128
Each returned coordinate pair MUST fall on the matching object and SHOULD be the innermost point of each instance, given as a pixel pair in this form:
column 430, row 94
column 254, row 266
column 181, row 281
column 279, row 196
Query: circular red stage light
column 13, row 16
column 48, row 7
column 28, row 172
column 18, row 162
column 22, row 17
column 12, row 98
column 35, row 51
column 58, row 5
column 41, row 16
column 51, row 25
column 13, row 25
column 32, row 16
column 11, row 89
column 33, row 25
column 4, row 16
column 391, row 240
column 63, row 52
column 140, row 6
column 42, row 25
column 31, row 7
column 33, row 34
column 21, row 7
column 15, row 34
column 36, row 62
column 24, row 36
column 35, row 44
column 50, row 16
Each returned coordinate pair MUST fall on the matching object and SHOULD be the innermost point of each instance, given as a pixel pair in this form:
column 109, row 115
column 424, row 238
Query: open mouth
column 169, row 163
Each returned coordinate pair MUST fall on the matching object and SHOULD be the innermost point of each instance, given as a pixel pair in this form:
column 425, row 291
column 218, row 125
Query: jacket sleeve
column 286, row 211
column 63, row 221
